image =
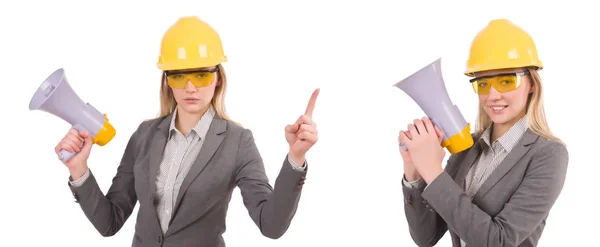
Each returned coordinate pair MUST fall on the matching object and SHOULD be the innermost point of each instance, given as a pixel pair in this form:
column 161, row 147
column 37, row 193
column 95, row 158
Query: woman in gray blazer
column 500, row 191
column 183, row 166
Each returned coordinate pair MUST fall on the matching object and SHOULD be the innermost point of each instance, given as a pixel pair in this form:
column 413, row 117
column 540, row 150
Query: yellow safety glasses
column 199, row 78
column 501, row 82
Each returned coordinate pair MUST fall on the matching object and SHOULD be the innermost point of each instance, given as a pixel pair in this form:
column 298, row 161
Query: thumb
column 292, row 128
column 87, row 141
column 439, row 133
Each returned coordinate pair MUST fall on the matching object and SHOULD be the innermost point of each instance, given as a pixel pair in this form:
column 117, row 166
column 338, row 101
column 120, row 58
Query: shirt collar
column 201, row 128
column 510, row 138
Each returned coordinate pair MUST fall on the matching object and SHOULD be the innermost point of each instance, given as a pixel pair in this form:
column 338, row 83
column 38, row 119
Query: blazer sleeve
column 109, row 212
column 527, row 208
column 426, row 227
column 271, row 209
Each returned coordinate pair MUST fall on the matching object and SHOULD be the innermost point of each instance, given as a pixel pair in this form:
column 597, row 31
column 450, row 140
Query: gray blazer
column 510, row 208
column 228, row 158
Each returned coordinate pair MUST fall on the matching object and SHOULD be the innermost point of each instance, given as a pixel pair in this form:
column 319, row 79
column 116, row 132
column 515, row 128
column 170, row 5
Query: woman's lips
column 191, row 100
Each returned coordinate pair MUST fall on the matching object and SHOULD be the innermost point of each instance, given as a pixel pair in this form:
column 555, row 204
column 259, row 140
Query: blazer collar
column 199, row 129
column 522, row 147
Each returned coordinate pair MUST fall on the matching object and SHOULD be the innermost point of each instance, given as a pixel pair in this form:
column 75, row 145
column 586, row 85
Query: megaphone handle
column 64, row 155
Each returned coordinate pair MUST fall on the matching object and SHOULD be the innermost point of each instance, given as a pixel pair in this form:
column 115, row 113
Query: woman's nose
column 494, row 94
column 190, row 88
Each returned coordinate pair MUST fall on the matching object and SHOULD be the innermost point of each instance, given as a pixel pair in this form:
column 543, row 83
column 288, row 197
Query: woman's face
column 194, row 89
column 509, row 106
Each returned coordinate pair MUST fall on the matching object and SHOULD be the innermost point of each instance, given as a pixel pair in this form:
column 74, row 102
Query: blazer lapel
column 210, row 145
column 466, row 163
column 511, row 159
column 157, row 146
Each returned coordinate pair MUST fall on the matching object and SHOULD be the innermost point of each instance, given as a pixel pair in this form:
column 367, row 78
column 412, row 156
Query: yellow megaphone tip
column 106, row 133
column 460, row 141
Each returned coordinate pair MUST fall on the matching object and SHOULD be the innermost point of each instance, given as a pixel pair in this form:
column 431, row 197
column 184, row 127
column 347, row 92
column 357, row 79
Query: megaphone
column 426, row 87
column 55, row 96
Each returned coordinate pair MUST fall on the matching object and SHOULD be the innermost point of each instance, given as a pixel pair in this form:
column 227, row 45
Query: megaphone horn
column 55, row 96
column 426, row 87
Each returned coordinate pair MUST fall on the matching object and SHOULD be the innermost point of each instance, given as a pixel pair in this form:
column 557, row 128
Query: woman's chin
column 193, row 108
column 500, row 118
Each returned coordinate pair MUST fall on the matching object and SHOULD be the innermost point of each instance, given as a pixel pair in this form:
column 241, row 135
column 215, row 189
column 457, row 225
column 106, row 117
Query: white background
column 278, row 54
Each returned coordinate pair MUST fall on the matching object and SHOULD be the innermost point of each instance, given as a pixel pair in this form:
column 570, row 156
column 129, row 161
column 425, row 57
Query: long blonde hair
column 168, row 103
column 536, row 117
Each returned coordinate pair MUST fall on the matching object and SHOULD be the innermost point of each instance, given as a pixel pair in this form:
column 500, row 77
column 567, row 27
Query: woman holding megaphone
column 498, row 192
column 183, row 166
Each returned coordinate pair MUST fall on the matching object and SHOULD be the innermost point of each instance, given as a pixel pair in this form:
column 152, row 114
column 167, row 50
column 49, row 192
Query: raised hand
column 302, row 135
column 80, row 142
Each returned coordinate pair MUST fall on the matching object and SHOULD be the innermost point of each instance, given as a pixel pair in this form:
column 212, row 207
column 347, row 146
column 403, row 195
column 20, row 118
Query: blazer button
column 159, row 239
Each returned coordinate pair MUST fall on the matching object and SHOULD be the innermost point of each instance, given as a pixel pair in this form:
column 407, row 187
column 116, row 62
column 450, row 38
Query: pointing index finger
column 311, row 103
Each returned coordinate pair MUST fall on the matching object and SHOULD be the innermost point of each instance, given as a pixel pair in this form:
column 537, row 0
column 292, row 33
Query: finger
column 420, row 127
column 310, row 128
column 311, row 103
column 407, row 134
column 62, row 147
column 403, row 139
column 428, row 125
column 308, row 137
column 75, row 145
column 58, row 147
column 68, row 145
column 77, row 133
column 75, row 139
column 305, row 119
column 439, row 133
column 413, row 131
column 84, row 134
column 73, row 131
column 292, row 128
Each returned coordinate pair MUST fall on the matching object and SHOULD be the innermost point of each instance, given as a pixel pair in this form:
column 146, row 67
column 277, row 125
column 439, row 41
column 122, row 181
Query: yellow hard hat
column 190, row 43
column 500, row 45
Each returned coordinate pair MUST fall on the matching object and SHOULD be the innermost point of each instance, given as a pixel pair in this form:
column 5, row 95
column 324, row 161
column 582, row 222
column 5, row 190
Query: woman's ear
column 531, row 82
column 532, row 87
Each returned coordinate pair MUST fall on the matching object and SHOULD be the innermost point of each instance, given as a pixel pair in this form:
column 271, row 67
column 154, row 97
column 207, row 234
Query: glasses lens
column 197, row 78
column 502, row 83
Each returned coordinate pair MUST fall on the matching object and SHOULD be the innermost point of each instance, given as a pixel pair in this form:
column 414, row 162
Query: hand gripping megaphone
column 426, row 87
column 56, row 97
